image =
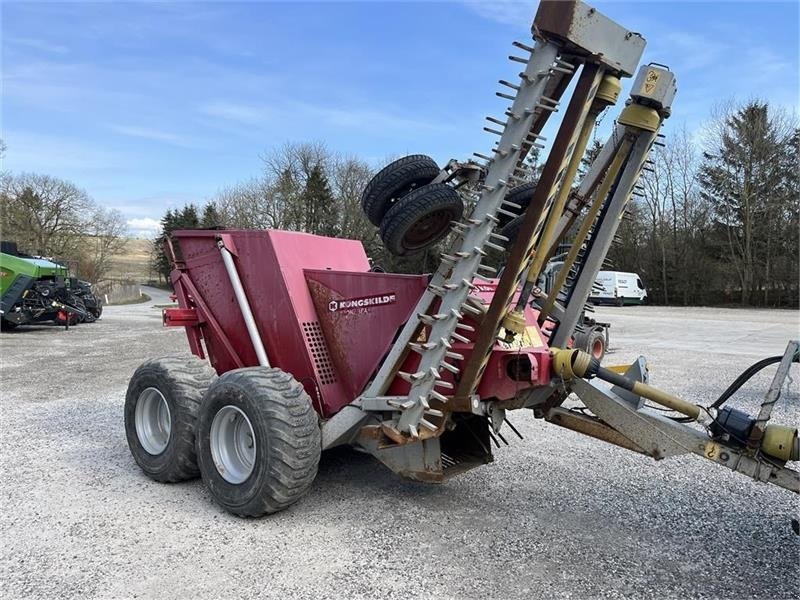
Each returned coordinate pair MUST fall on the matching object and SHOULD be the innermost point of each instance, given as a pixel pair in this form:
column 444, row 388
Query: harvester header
column 301, row 347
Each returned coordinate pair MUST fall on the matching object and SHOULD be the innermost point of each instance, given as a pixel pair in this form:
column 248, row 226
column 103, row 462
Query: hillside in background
column 133, row 262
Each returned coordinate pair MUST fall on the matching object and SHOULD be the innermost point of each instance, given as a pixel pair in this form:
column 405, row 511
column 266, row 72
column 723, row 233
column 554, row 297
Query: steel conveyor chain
column 454, row 279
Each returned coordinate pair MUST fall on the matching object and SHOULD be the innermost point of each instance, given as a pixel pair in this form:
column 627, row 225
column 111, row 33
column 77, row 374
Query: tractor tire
column 394, row 181
column 521, row 195
column 97, row 311
column 593, row 342
column 510, row 230
column 421, row 218
column 258, row 441
column 161, row 407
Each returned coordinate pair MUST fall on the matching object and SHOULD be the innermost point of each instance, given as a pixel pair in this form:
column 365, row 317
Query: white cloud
column 155, row 135
column 241, row 113
column 144, row 228
column 37, row 44
column 28, row 151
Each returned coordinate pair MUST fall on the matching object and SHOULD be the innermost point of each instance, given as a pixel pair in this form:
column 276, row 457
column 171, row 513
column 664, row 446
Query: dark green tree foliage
column 184, row 218
column 749, row 177
column 719, row 227
column 211, row 219
column 318, row 206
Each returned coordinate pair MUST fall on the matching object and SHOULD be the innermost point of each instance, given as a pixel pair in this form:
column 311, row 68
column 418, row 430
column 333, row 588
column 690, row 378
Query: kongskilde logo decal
column 365, row 302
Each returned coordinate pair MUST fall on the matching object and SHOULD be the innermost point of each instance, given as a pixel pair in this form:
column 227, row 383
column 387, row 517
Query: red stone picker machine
column 309, row 349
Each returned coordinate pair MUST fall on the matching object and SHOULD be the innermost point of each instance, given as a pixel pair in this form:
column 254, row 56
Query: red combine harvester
column 309, row 349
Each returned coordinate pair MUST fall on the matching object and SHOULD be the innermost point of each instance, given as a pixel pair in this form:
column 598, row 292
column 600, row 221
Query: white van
column 615, row 287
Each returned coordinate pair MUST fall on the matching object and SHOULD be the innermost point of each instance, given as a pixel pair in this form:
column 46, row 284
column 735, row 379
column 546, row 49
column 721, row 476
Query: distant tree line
column 302, row 187
column 50, row 217
column 717, row 221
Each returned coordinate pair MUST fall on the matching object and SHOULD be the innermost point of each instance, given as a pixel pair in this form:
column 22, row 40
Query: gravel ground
column 555, row 516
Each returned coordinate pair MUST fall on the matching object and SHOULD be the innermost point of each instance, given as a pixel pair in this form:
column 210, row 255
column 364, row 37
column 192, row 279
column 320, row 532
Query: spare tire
column 521, row 195
column 421, row 219
column 394, row 181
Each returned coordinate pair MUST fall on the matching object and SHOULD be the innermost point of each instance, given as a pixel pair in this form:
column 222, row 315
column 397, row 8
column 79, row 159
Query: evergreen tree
column 185, row 218
column 749, row 177
column 211, row 219
column 318, row 203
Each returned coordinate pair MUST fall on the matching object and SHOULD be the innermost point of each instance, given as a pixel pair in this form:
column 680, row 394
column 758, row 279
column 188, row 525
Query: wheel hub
column 153, row 421
column 427, row 229
column 233, row 444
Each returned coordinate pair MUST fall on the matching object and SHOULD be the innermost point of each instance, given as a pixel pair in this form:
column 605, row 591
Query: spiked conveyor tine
column 522, row 46
column 432, row 412
column 499, row 236
column 471, row 309
column 427, row 424
column 454, row 355
column 482, row 156
column 507, row 213
column 423, row 401
column 450, row 259
column 509, row 85
column 412, row 430
column 453, row 369
column 462, row 262
column 496, row 121
column 513, row 205
column 437, row 396
column 425, row 319
column 494, row 246
column 459, row 337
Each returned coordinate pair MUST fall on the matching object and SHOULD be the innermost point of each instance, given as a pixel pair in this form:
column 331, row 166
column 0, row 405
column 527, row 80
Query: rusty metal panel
column 587, row 32
column 359, row 315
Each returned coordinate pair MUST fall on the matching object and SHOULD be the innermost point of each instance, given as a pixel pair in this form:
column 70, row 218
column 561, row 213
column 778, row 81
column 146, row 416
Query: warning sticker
column 651, row 80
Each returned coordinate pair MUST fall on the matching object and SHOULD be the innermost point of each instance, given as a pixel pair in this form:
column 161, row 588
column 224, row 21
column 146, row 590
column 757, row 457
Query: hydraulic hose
column 746, row 375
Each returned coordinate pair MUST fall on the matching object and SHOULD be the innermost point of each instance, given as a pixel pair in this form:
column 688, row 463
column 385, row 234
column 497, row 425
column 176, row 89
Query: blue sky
column 150, row 105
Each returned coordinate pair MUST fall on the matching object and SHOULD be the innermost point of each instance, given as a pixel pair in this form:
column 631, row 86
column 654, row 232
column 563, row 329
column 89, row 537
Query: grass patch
column 143, row 298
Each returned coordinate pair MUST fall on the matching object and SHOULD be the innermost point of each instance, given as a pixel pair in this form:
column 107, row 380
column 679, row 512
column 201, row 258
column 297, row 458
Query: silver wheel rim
column 153, row 421
column 233, row 444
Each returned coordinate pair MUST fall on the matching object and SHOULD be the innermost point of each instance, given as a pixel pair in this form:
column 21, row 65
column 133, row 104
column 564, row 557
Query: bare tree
column 104, row 239
column 44, row 214
column 51, row 217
